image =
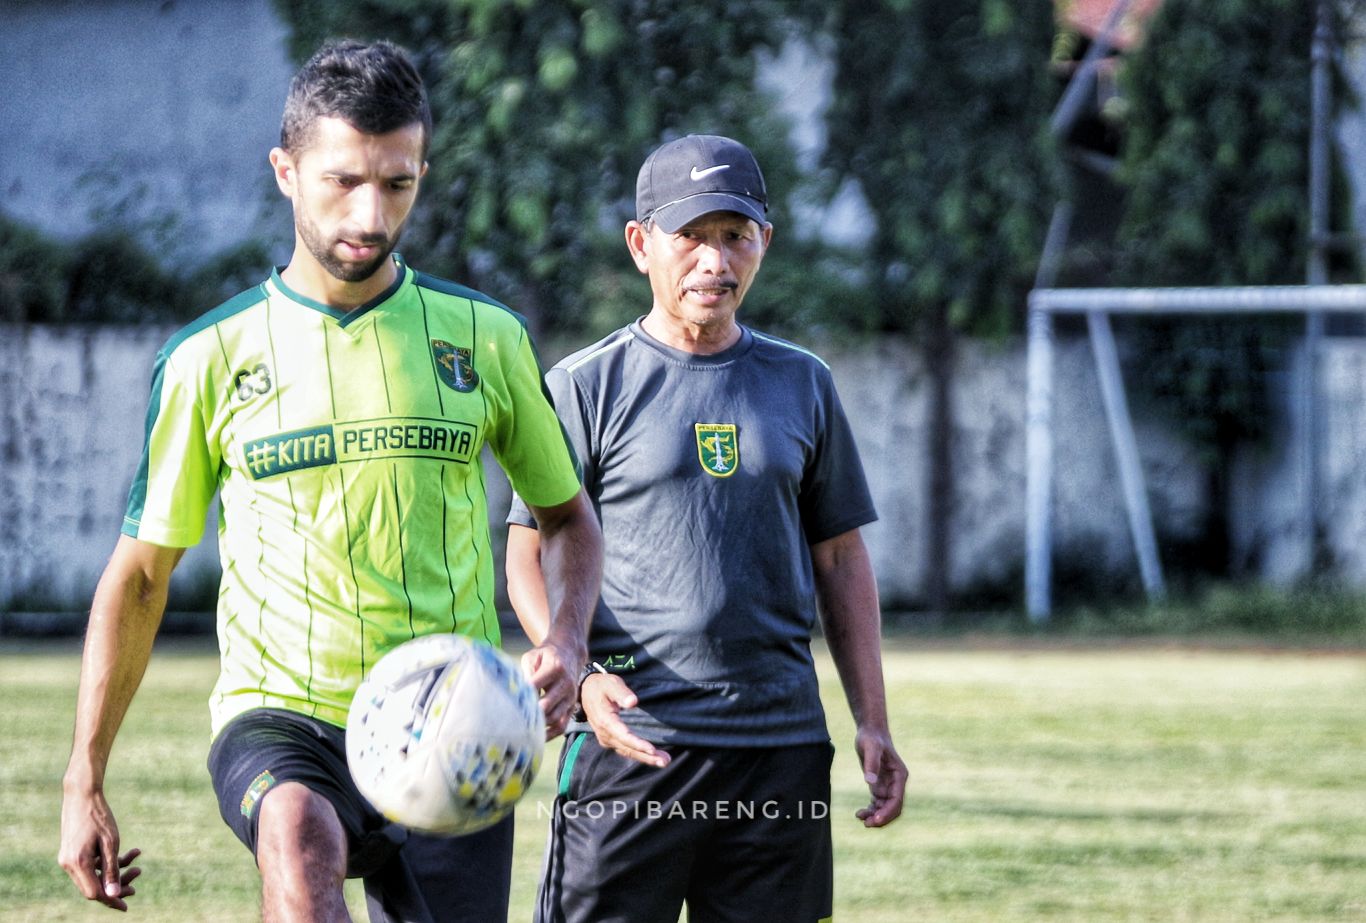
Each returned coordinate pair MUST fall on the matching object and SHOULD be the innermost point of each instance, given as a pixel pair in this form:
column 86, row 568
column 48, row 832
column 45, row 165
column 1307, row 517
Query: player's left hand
column 885, row 774
column 554, row 671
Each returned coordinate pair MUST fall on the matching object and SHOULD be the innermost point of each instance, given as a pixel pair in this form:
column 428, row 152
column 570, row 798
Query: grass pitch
column 1047, row 784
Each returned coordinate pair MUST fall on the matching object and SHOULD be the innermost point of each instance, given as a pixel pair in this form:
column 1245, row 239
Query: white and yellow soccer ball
column 445, row 735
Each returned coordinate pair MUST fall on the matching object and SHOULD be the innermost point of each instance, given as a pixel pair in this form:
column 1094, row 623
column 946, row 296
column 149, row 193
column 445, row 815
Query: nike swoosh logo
column 697, row 174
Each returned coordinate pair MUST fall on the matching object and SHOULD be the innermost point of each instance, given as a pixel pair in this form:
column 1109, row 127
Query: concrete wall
column 70, row 439
column 886, row 393
column 72, row 405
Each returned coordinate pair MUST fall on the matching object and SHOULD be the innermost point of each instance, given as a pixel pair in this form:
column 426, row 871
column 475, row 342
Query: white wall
column 70, row 437
column 73, row 400
column 886, row 393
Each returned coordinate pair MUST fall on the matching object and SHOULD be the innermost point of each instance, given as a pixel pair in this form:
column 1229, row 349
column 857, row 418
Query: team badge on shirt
column 454, row 366
column 718, row 448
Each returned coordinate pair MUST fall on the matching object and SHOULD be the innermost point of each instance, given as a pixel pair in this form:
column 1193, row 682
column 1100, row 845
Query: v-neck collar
column 344, row 318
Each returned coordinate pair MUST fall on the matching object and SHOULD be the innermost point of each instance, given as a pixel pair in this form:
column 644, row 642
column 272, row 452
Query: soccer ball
column 445, row 735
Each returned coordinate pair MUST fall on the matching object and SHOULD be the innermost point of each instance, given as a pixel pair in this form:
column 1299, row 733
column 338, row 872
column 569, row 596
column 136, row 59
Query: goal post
column 1097, row 304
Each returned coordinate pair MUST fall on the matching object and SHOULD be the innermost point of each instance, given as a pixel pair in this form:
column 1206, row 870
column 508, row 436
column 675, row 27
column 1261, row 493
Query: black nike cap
column 698, row 174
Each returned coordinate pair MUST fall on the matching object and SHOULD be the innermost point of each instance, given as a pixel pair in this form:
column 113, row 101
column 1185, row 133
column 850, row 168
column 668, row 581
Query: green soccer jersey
column 345, row 447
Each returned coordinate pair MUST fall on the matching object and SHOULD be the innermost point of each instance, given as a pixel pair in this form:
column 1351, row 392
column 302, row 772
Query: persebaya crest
column 718, row 448
column 454, row 366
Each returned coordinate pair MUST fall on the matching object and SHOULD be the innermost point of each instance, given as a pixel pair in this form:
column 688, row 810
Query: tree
column 941, row 115
column 1215, row 163
column 110, row 276
column 545, row 110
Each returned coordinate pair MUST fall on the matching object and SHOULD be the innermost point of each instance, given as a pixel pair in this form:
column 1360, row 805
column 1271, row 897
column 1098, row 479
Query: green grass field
column 1046, row 784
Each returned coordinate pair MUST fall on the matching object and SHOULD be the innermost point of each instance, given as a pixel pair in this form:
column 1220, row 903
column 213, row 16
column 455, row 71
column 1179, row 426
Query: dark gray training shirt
column 712, row 475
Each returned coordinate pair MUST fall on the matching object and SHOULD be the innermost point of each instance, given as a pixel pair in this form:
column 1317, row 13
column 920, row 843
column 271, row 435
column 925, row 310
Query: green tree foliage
column 544, row 112
column 1216, row 145
column 110, row 276
column 941, row 114
column 1216, row 164
column 1215, row 161
column 33, row 274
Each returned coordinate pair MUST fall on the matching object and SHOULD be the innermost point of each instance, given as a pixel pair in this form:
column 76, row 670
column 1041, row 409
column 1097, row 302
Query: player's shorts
column 409, row 877
column 736, row 834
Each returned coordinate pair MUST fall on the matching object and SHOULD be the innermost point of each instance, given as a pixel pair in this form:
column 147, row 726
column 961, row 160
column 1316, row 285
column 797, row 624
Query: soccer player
column 731, row 496
column 338, row 410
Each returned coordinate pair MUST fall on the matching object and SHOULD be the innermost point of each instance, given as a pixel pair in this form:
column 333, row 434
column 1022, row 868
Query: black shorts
column 736, row 834
column 408, row 877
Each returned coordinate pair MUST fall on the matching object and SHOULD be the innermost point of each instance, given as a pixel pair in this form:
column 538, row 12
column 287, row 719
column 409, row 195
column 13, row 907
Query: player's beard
column 343, row 270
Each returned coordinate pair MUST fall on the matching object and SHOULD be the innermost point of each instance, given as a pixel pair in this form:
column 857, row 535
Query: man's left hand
column 554, row 671
column 885, row 774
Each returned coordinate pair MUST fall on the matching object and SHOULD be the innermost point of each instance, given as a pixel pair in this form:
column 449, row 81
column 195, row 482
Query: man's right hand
column 602, row 697
column 89, row 851
column 124, row 617
column 551, row 668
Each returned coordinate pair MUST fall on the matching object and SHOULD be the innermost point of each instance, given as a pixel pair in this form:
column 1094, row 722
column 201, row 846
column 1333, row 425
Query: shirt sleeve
column 531, row 445
column 571, row 410
column 178, row 474
column 834, row 494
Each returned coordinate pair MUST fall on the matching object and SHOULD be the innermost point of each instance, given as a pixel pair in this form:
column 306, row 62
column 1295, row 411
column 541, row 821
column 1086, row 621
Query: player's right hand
column 552, row 669
column 886, row 775
column 603, row 696
column 89, row 852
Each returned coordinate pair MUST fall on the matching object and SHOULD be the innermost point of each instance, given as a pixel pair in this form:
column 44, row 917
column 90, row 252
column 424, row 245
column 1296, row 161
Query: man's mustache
column 363, row 240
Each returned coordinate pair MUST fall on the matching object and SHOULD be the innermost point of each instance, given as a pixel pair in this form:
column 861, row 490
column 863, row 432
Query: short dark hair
column 373, row 88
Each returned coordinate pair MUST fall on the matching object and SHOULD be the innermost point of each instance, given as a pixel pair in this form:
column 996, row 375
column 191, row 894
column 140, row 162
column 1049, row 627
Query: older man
column 731, row 496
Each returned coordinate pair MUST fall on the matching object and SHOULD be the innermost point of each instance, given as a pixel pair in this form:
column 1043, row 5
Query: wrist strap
column 589, row 669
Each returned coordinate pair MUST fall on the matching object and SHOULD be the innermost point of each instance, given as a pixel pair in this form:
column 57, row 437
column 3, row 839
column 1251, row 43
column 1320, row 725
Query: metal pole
column 1039, row 399
column 1126, row 452
column 1039, row 430
column 1320, row 147
column 1234, row 299
column 1320, row 166
column 1039, row 469
column 1074, row 97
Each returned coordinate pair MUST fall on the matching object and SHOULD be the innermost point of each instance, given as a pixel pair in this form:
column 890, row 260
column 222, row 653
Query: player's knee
column 299, row 824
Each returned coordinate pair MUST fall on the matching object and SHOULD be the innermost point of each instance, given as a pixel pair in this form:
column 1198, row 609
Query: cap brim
column 676, row 214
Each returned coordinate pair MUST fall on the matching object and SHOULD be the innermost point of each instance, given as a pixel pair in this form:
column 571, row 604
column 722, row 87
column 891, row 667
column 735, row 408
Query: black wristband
column 589, row 669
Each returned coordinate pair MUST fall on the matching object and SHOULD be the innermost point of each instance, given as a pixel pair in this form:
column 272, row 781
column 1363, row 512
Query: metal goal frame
column 1097, row 304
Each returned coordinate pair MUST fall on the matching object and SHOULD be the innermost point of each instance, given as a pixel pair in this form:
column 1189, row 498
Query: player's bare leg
column 301, row 852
